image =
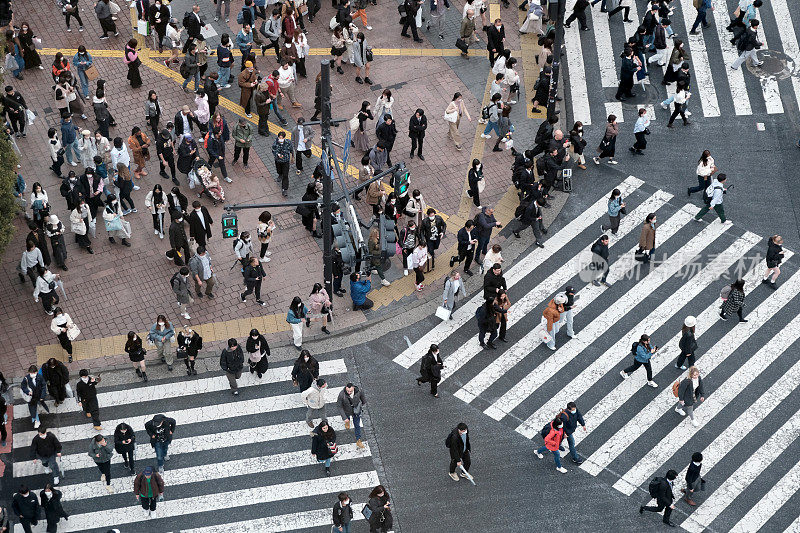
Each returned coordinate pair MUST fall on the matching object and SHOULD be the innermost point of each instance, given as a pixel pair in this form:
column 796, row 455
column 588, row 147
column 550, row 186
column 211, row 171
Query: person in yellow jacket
column 550, row 318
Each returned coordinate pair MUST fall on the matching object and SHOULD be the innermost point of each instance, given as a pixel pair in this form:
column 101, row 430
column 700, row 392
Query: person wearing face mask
column 180, row 251
column 124, row 444
column 231, row 360
column 101, row 451
column 80, row 225
column 46, row 288
column 243, row 249
column 159, row 16
column 282, row 150
column 305, row 370
column 416, row 130
column 180, row 286
column 54, row 229
column 253, row 277
column 86, row 392
column 458, row 443
column 571, row 417
column 342, row 513
column 161, row 334
column 189, row 345
column 133, row 347
column 53, row 510
column 116, row 225
column 433, row 228
column 553, row 434
column 165, row 150
column 200, row 222
column 495, row 40
column 386, row 134
column 160, row 430
column 647, row 239
column 430, row 369
column 56, row 375
column 46, row 448
column 258, row 349
column 65, row 329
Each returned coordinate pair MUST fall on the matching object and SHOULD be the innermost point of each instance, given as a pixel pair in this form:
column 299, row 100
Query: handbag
column 640, row 255
column 481, row 185
column 114, row 224
column 31, row 116
column 604, row 145
column 462, row 45
column 354, row 122
column 72, row 332
column 451, row 117
column 368, row 54
column 443, row 313
column 181, row 353
column 143, row 27
column 91, row 73
column 366, row 511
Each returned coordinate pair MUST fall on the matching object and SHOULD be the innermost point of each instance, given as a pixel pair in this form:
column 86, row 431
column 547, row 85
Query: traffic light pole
column 327, row 182
column 558, row 44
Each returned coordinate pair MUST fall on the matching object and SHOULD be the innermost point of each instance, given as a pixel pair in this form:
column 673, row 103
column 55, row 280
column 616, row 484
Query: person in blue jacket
column 358, row 292
column 297, row 313
column 643, row 351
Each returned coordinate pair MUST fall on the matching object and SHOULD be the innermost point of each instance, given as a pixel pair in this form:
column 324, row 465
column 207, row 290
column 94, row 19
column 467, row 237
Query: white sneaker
column 653, row 384
column 561, row 469
column 540, row 456
column 74, row 164
column 56, row 481
column 136, row 187
column 454, row 477
column 166, row 457
column 110, row 489
column 695, row 423
column 368, row 27
column 267, row 253
column 186, row 316
column 512, row 102
column 228, row 180
column 155, row 232
column 266, row 260
column 485, row 136
column 623, row 374
column 102, row 477
column 405, row 272
column 36, row 424
column 688, row 113
column 47, row 470
column 385, row 283
column 680, row 411
column 160, row 235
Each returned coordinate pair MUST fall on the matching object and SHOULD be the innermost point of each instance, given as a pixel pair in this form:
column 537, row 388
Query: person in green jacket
column 243, row 140
column 101, row 451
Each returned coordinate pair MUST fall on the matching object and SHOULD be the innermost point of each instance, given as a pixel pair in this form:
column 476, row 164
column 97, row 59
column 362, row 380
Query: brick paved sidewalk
column 120, row 289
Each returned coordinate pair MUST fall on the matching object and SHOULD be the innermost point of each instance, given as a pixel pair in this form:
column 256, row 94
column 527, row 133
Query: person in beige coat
column 647, row 240
column 455, row 109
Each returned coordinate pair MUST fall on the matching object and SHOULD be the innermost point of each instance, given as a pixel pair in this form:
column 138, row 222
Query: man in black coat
column 578, row 12
column 543, row 136
column 533, row 217
column 72, row 189
column 14, row 107
column 183, row 122
column 180, row 251
column 409, row 19
column 86, row 391
column 160, row 430
column 493, row 281
column 165, row 149
column 459, row 450
column 387, row 133
column 199, row 224
column 231, row 360
column 416, row 130
column 430, row 369
column 746, row 44
column 664, row 498
column 600, row 251
column 467, row 242
column 194, row 26
column 628, row 69
column 549, row 164
column 26, row 506
column 495, row 40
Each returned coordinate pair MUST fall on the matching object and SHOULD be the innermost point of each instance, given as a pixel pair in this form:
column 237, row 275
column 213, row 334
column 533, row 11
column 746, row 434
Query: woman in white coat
column 156, row 202
column 116, row 225
column 383, row 106
column 79, row 224
column 65, row 329
column 87, row 149
column 453, row 291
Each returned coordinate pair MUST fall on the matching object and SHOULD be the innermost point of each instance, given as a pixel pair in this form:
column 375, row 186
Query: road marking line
column 277, row 524
column 783, row 17
column 578, row 89
column 741, row 100
column 699, row 61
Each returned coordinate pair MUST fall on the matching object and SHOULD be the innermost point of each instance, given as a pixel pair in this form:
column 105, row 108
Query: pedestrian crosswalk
column 593, row 61
column 749, row 418
column 235, row 464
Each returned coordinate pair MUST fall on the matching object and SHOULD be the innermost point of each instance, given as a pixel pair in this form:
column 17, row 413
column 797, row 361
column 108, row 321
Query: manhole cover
column 774, row 64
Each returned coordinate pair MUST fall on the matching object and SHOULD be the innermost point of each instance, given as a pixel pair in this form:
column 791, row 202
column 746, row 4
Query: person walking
column 553, row 433
column 133, row 347
column 320, row 307
column 179, row 244
column 687, row 344
column 160, row 430
column 430, row 369
column 453, row 290
column 26, row 506
column 69, row 10
column 305, row 370
column 642, row 352
column 156, row 203
column 86, row 393
column 302, row 137
column 487, row 323
column 679, row 103
column 660, row 488
column 351, row 402
column 467, row 243
column 579, row 12
column 101, row 451
column 46, row 448
column 296, row 315
column 202, row 272
column 455, row 110
column 243, row 139
column 702, row 7
column 342, row 511
column 690, row 391
column 248, row 79
column 231, row 360
column 647, row 239
column 551, row 319
column 381, row 519
column 616, row 208
column 158, row 15
column 733, row 300
column 640, row 130
column 282, row 152
column 125, row 444
column 411, row 7
column 417, row 125
column 693, row 480
column 314, row 399
column 386, row 133
column 103, row 11
column 253, row 277
column 775, row 255
column 65, row 329
column 160, row 335
column 705, row 169
column 714, row 194
column 149, row 486
column 747, row 44
column 189, row 345
column 460, row 447
column 571, row 417
column 131, row 58
column 258, row 349
column 165, row 150
column 200, row 223
column 532, row 216
column 56, row 376
column 44, row 281
column 323, row 444
column 180, row 286
column 152, row 112
column 629, row 68
column 51, row 505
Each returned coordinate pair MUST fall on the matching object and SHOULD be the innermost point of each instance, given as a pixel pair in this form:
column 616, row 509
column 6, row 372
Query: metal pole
column 558, row 44
column 327, row 182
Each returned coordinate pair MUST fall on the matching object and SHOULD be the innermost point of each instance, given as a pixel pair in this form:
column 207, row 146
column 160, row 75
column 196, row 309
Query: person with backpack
column 713, row 197
column 660, row 488
column 693, row 479
column 458, row 443
column 747, row 44
column 689, row 390
column 553, row 434
column 430, row 369
column 642, row 352
column 491, row 114
column 180, row 286
column 571, row 418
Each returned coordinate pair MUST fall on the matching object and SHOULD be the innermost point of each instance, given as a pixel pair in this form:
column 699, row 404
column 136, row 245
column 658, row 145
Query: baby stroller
column 209, row 182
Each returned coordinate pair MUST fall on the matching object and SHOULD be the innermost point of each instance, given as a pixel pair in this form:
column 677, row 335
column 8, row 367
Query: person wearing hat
column 160, row 430
column 243, row 139
column 687, row 344
column 551, row 318
column 149, row 489
column 314, row 399
column 248, row 79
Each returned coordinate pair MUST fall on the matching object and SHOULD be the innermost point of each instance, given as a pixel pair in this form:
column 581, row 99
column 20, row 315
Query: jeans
column 492, row 126
column 277, row 112
column 84, row 82
column 71, row 152
column 195, row 77
column 50, row 462
column 701, row 18
column 162, row 450
column 572, row 451
column 326, row 461
column 702, row 184
column 356, row 425
column 20, row 64
column 483, row 246
column 648, row 40
column 566, row 318
column 224, row 74
column 556, row 455
column 227, row 8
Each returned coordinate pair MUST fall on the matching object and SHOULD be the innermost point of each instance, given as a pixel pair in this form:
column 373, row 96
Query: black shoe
column 359, row 80
column 411, row 155
column 453, row 260
column 111, row 240
column 496, row 149
column 544, row 231
column 468, row 272
column 199, row 294
column 670, row 524
column 540, row 245
column 169, row 367
column 325, row 330
column 421, row 157
column 742, row 320
column 641, row 509
column 367, row 80
column 502, row 339
column 327, row 471
column 516, row 234
column 491, row 345
column 139, row 372
column 418, row 41
column 577, row 461
column 723, row 317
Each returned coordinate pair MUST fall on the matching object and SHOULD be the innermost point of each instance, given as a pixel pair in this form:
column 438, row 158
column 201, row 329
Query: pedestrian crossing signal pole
column 327, row 182
column 556, row 10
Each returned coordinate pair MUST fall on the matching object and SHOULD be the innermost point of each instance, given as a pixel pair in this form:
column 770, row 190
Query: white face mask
column 254, row 337
column 346, row 502
column 432, row 217
column 85, row 379
column 478, row 166
column 161, row 324
column 32, row 375
column 305, row 358
column 48, row 494
column 573, row 411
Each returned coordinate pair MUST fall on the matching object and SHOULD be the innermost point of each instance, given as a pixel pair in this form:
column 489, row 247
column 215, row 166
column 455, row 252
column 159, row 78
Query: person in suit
column 194, row 26
column 459, row 450
column 430, row 369
column 417, row 125
column 183, row 122
column 467, row 241
column 199, row 224
column 495, row 40
column 600, row 250
column 664, row 498
column 533, row 217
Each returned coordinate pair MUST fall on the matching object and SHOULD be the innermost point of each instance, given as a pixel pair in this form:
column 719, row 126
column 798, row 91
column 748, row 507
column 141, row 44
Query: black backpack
column 521, row 208
column 183, row 70
column 545, row 430
column 173, row 279
column 654, row 485
column 187, row 18
column 634, row 346
column 448, row 440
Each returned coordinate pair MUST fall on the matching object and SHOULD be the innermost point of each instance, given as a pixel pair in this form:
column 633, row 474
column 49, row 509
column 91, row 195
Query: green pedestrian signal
column 401, row 180
column 230, row 226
